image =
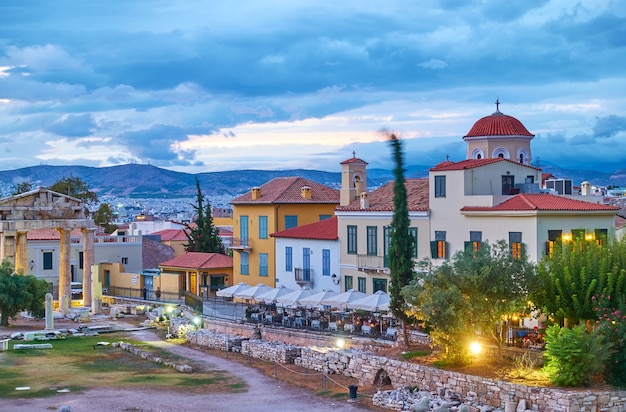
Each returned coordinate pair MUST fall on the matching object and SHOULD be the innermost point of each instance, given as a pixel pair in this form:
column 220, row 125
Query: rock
column 423, row 405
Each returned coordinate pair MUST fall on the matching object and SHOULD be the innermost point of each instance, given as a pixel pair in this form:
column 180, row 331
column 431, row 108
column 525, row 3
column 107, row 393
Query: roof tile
column 543, row 202
column 200, row 260
column 323, row 230
column 381, row 199
column 288, row 190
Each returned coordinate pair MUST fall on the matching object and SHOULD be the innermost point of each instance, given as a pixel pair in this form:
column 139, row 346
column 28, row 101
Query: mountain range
column 148, row 181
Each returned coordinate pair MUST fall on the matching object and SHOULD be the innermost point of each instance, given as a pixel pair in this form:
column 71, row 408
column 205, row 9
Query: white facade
column 318, row 280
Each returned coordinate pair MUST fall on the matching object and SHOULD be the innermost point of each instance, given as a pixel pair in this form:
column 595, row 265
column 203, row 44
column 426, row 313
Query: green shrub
column 611, row 322
column 574, row 355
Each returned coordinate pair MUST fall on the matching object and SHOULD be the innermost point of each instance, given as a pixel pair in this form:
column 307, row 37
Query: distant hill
column 147, row 181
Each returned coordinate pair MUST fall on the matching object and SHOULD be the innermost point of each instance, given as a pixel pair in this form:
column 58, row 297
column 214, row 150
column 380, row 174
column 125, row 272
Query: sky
column 204, row 86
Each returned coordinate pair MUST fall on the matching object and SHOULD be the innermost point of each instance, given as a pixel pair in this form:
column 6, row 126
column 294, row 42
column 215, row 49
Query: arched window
column 522, row 156
column 477, row 154
column 502, row 153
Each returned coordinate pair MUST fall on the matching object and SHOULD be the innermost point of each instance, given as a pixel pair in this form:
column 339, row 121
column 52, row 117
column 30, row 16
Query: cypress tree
column 401, row 244
column 204, row 237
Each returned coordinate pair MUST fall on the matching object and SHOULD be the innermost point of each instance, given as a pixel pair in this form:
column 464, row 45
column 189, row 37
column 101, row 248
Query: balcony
column 367, row 263
column 240, row 244
column 304, row 277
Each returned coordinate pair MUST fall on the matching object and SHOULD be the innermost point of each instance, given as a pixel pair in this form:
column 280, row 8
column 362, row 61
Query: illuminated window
column 474, row 243
column 601, row 236
column 438, row 247
column 515, row 244
column 553, row 237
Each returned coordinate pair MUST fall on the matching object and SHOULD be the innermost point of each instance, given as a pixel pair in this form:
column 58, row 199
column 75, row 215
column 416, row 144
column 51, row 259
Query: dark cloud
column 72, row 126
column 609, row 126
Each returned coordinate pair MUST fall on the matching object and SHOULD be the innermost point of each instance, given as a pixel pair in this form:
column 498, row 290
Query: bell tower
column 353, row 179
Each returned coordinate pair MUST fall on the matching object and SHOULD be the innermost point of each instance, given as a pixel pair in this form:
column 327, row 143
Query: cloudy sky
column 200, row 86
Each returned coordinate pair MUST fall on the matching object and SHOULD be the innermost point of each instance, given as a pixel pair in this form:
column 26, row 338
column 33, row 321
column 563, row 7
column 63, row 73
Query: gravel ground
column 264, row 394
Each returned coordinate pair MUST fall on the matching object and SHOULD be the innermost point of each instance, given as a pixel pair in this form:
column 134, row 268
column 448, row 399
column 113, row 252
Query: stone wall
column 366, row 367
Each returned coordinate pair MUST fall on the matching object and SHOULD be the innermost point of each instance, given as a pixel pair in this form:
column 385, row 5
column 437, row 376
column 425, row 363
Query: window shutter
column 433, row 249
column 547, row 248
column 445, row 250
column 468, row 247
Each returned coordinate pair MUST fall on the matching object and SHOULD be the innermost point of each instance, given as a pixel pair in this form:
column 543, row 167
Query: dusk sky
column 201, row 86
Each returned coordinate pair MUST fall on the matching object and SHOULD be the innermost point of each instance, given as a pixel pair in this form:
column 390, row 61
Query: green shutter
column 433, row 249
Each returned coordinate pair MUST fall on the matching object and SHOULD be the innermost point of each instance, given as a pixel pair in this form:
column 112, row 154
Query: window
column 324, row 217
column 288, row 259
column 107, row 278
column 379, row 284
column 601, row 236
column 351, row 240
column 291, row 221
column 386, row 244
column 578, row 234
column 515, row 244
column 124, row 261
column 243, row 230
column 473, row 245
column 413, row 233
column 262, row 264
column 80, row 260
column 47, row 261
column 347, row 282
column 361, row 284
column 243, row 265
column 530, row 179
column 306, row 259
column 438, row 247
column 553, row 237
column 440, row 186
column 508, row 184
column 372, row 240
column 325, row 262
column 262, row 227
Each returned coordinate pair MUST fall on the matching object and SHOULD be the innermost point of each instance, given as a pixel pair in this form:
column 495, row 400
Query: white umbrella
column 272, row 295
column 231, row 290
column 293, row 299
column 316, row 298
column 343, row 299
column 253, row 292
column 373, row 303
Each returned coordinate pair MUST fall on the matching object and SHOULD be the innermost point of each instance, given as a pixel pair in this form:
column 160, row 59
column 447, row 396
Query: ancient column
column 21, row 252
column 49, row 312
column 65, row 267
column 2, row 245
column 88, row 258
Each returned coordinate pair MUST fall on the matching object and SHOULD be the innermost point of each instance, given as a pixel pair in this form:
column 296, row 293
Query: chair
column 332, row 326
column 298, row 323
column 348, row 327
column 391, row 333
column 366, row 330
column 315, row 324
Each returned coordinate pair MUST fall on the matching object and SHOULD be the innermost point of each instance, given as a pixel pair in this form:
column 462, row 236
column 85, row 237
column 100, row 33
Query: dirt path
column 264, row 394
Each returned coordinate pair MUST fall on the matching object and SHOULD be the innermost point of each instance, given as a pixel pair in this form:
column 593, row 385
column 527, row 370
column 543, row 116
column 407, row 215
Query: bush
column 574, row 355
column 611, row 322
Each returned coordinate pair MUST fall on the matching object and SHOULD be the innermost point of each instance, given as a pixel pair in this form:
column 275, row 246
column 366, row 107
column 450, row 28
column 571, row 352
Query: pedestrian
column 144, row 292
column 158, row 294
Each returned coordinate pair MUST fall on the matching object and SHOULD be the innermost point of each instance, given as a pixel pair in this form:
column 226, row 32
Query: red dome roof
column 498, row 124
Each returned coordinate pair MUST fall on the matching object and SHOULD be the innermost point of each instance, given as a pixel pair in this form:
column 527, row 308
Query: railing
column 303, row 275
column 367, row 262
column 137, row 293
column 238, row 243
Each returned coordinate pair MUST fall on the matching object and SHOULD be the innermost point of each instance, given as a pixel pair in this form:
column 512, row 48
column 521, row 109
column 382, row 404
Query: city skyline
column 196, row 88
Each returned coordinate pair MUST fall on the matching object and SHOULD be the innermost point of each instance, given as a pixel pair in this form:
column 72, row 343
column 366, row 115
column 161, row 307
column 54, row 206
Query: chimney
column 305, row 192
column 365, row 203
column 256, row 193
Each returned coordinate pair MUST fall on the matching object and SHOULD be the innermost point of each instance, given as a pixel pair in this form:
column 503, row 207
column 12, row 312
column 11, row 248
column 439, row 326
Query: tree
column 472, row 294
column 77, row 188
column 22, row 187
column 401, row 242
column 19, row 292
column 203, row 236
column 104, row 217
column 577, row 271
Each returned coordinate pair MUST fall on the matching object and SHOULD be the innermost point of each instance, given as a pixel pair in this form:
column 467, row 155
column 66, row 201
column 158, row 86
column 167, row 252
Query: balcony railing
column 240, row 244
column 370, row 263
column 304, row 276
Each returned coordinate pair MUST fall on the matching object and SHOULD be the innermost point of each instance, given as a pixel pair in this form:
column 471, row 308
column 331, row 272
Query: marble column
column 65, row 267
column 49, row 312
column 88, row 258
column 21, row 252
column 2, row 248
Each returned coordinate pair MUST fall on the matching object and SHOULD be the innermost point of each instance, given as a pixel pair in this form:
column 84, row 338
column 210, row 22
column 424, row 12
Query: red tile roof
column 543, row 202
column 354, row 160
column 381, row 199
column 199, row 260
column 323, row 230
column 168, row 235
column 288, row 190
column 49, row 234
column 498, row 124
column 472, row 164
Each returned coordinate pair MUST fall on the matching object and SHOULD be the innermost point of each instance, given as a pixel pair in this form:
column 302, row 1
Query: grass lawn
column 78, row 363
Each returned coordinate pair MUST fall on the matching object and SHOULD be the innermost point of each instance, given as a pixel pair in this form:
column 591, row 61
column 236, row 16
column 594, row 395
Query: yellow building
column 199, row 273
column 279, row 204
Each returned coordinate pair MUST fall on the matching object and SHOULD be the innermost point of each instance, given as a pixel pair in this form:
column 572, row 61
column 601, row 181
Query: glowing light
column 196, row 320
column 475, row 348
column 169, row 309
column 567, row 238
column 340, row 343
